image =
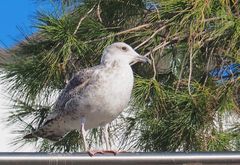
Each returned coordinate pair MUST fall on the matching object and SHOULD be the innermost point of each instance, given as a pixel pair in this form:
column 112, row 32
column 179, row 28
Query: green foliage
column 176, row 105
column 182, row 123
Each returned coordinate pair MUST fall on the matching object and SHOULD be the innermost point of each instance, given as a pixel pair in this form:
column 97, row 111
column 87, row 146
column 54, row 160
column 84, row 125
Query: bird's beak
column 139, row 58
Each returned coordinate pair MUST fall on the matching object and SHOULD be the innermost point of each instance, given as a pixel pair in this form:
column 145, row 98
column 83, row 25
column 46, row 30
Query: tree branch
column 190, row 70
column 163, row 44
column 153, row 35
column 99, row 12
column 80, row 21
column 124, row 32
column 154, row 66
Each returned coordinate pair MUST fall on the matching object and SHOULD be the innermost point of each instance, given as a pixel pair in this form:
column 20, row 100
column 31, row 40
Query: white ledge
column 140, row 158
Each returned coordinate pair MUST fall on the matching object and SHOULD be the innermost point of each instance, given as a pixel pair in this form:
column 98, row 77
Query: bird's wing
column 73, row 88
column 51, row 127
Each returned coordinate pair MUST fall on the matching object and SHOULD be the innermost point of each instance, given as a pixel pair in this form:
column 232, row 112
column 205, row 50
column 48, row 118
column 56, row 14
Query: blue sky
column 13, row 14
column 17, row 19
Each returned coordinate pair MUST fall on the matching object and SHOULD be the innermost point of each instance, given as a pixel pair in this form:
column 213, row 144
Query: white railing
column 201, row 158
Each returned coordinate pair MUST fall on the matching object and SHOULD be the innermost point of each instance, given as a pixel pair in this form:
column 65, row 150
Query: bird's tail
column 45, row 134
column 51, row 130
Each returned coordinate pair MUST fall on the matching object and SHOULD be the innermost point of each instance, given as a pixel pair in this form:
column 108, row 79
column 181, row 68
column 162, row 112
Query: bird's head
column 121, row 52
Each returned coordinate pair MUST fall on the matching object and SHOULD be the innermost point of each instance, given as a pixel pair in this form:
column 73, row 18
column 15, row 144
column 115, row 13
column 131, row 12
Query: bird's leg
column 83, row 131
column 106, row 136
column 106, row 139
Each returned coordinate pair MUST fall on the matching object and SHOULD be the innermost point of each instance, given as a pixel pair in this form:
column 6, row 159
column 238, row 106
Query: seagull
column 94, row 96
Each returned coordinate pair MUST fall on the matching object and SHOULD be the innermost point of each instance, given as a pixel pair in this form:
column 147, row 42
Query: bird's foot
column 94, row 152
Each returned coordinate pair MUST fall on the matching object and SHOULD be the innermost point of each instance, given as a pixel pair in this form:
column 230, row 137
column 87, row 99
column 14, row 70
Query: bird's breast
column 111, row 96
column 117, row 87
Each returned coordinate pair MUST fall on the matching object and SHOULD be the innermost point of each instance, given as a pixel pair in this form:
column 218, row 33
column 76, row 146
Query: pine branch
column 80, row 21
column 147, row 25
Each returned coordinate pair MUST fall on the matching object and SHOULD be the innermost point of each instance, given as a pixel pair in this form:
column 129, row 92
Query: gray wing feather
column 52, row 128
column 75, row 85
column 73, row 88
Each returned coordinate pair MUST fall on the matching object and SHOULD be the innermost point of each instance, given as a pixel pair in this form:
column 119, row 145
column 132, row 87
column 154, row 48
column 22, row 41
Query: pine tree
column 182, row 102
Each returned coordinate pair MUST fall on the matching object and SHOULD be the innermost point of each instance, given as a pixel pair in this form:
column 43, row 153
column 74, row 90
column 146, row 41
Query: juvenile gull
column 94, row 96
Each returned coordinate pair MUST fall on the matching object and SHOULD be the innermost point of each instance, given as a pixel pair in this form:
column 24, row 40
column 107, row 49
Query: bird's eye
column 124, row 48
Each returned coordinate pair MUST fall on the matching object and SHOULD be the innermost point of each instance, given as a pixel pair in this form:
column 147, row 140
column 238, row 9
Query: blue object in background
column 225, row 73
column 151, row 6
column 17, row 18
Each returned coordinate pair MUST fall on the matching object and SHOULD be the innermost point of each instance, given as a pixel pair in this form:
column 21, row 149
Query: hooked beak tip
column 143, row 59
